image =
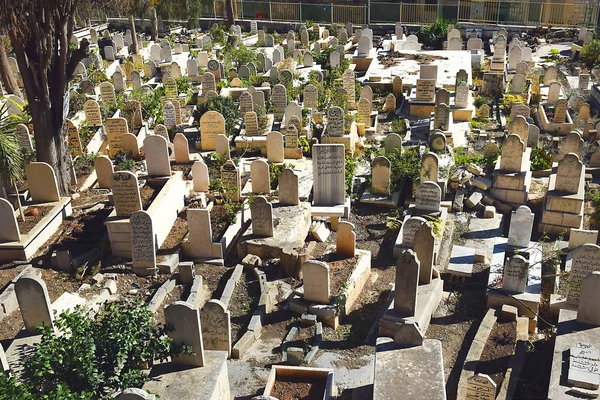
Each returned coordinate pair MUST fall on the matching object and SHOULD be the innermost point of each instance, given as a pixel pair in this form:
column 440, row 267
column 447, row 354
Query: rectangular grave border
column 563, row 128
column 326, row 375
column 315, row 343
column 31, row 242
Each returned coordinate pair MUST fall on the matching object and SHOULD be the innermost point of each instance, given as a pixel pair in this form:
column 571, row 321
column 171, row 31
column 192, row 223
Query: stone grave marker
column 441, row 119
column 397, row 86
column 584, row 112
column 391, row 142
column 143, row 245
column 560, row 111
column 328, row 174
column 291, row 136
column 230, row 177
column 34, row 302
column 348, row 82
column 104, row 171
column 251, row 123
column 335, row 121
column 364, row 112
column 430, row 168
column 582, row 236
column 200, row 176
column 481, row 387
column 381, row 176
column 521, row 226
column 462, row 95
column 551, row 75
column 554, row 92
column 216, row 326
column 407, row 282
column 316, row 281
column 185, row 320
column 92, row 112
column 170, row 88
column 311, row 97
column 24, row 138
column 41, row 180
column 288, row 188
column 181, row 147
column 512, row 154
column 212, row 124
column 442, row 96
column 259, row 172
column 169, row 114
column 74, row 140
column 126, row 193
column 346, row 239
column 10, row 230
column 279, row 99
column 515, row 275
column 437, row 142
column 157, row 156
column 424, row 244
column 275, row 147
column 585, row 259
column 588, row 311
column 222, row 145
column 568, row 174
column 483, row 111
column 390, row 103
column 130, row 145
column 519, row 126
column 425, row 90
column 262, row 217
column 246, row 103
column 428, row 197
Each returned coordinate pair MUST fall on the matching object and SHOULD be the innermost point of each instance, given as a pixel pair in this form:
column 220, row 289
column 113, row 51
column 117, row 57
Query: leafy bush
column 218, row 35
column 275, row 170
column 508, row 100
column 238, row 56
column 434, row 35
column 462, row 156
column 399, row 126
column 91, row 355
column 591, row 52
column 482, row 99
column 405, row 164
column 350, row 170
column 226, row 106
column 541, row 159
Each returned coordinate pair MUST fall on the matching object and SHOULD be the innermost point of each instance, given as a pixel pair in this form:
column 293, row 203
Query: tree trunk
column 154, row 28
column 134, row 44
column 6, row 73
column 52, row 148
column 229, row 12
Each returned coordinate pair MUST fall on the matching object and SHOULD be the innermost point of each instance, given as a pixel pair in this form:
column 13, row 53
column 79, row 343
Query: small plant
column 508, row 100
column 228, row 109
column 541, row 159
column 590, row 54
column 462, row 156
column 399, row 127
column 481, row 100
column 304, row 144
column 274, row 171
column 434, row 35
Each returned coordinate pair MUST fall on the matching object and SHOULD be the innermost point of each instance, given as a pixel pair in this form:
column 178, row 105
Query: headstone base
column 380, row 199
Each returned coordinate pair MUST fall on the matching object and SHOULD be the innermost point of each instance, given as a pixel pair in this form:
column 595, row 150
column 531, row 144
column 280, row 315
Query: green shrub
column 91, row 355
column 462, row 156
column 482, row 99
column 405, row 164
column 226, row 106
column 591, row 52
column 434, row 35
column 399, row 126
column 541, row 159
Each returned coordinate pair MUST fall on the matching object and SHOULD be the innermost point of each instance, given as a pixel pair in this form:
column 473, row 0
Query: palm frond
column 11, row 156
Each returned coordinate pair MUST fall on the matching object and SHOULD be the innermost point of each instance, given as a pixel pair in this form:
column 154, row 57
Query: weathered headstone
column 328, row 174
column 424, row 247
column 34, row 302
column 407, row 283
column 216, row 326
column 262, row 217
column 316, row 281
column 584, row 259
column 185, row 319
column 516, row 271
column 288, row 188
column 143, row 245
column 428, row 197
column 512, row 154
column 42, row 183
column 126, row 193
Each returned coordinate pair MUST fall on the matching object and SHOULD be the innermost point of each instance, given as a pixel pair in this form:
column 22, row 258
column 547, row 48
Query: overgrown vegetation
column 91, row 355
column 405, row 164
column 590, row 54
column 398, row 126
column 434, row 35
column 541, row 159
column 228, row 109
column 275, row 170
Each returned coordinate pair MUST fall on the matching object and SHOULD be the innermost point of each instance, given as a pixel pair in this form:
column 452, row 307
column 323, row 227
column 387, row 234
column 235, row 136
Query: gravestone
column 493, row 84
column 515, row 274
column 348, row 82
column 328, row 174
column 216, row 326
column 170, row 86
column 441, row 118
column 185, row 319
column 259, row 172
column 291, row 136
column 200, row 176
column 10, row 229
column 126, row 193
column 107, row 94
column 407, row 282
column 584, row 259
column 397, row 86
column 425, row 90
column 517, row 84
column 519, row 126
column 143, row 245
column 41, row 180
column 275, row 147
column 104, row 171
column 520, row 109
column 346, row 239
column 428, row 197
column 560, row 111
column 522, row 68
column 222, row 146
column 132, row 112
column 568, row 175
column 554, row 92
column 74, row 140
column 381, row 176
column 512, row 154
column 364, row 112
column 584, row 112
column 24, row 138
column 251, row 123
column 521, row 226
column 588, row 311
column 410, row 229
column 437, row 142
column 584, row 82
column 212, row 124
column 92, row 112
column 442, row 96
column 390, row 103
column 130, row 146
column 315, row 276
column 491, row 150
column 424, row 247
column 208, row 83
column 483, row 111
column 115, row 128
column 262, row 217
column 169, row 115
column 181, row 147
column 230, row 177
column 430, row 168
column 288, row 188
column 34, row 302
column 551, row 75
column 334, row 59
column 455, row 44
column 311, row 97
column 582, row 236
column 335, row 121
column 391, row 142
column 480, row 387
column 200, row 237
column 462, row 95
column 279, row 99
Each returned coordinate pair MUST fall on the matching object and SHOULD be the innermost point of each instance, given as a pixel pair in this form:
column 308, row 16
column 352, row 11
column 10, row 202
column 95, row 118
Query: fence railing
column 477, row 11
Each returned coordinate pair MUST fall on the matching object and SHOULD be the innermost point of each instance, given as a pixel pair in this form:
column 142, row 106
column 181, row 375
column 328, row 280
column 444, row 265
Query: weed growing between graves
column 228, row 109
column 541, row 159
column 399, row 127
column 92, row 355
column 275, row 170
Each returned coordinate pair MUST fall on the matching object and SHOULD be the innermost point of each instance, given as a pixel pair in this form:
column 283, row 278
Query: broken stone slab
column 508, row 313
column 461, row 261
column 167, row 263
column 242, row 345
column 489, row 212
column 161, row 293
column 482, row 183
column 251, row 261
column 195, row 296
column 320, row 231
column 111, row 286
column 475, row 169
column 409, row 335
column 230, row 285
column 474, row 200
column 186, row 272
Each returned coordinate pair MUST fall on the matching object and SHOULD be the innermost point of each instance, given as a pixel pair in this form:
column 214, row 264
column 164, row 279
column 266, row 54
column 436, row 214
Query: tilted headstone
column 34, row 302
column 424, row 247
column 185, row 319
column 481, row 387
column 407, row 283
column 126, row 193
column 143, row 243
column 10, row 229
